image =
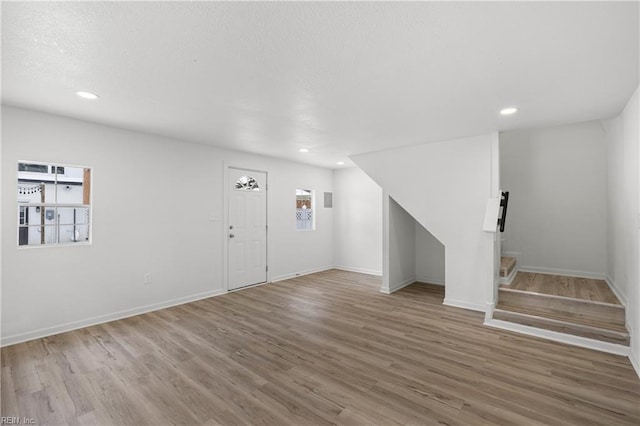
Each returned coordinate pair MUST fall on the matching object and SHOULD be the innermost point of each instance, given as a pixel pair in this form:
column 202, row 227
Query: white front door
column 247, row 231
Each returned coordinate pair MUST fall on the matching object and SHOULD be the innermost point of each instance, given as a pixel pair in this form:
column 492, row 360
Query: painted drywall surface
column 445, row 186
column 496, row 192
column 632, row 131
column 557, row 204
column 176, row 187
column 357, row 210
column 623, row 224
column 400, row 246
column 358, row 231
column 430, row 259
column 618, row 215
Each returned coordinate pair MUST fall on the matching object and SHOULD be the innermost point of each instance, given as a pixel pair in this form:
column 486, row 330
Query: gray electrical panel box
column 328, row 199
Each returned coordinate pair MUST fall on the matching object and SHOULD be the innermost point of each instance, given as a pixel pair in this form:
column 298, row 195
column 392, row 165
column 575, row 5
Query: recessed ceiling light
column 508, row 111
column 304, row 150
column 340, row 163
column 87, row 95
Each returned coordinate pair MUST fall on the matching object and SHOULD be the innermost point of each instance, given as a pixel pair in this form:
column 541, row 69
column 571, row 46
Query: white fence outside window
column 304, row 219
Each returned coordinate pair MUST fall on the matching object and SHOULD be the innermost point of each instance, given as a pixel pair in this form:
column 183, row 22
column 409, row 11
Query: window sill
column 41, row 246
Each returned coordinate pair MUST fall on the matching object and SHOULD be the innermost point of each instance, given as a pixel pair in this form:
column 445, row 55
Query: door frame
column 225, row 224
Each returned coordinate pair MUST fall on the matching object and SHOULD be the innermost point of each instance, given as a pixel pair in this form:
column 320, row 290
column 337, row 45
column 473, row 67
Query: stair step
column 564, row 308
column 507, row 265
column 618, row 336
column 566, row 317
column 575, row 287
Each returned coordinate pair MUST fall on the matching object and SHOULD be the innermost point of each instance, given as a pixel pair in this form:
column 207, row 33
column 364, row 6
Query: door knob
column 231, row 236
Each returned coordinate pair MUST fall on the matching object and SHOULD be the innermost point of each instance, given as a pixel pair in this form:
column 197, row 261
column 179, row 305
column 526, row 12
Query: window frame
column 54, row 205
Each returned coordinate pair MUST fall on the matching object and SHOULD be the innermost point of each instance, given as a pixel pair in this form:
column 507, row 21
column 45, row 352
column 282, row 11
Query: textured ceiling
column 337, row 78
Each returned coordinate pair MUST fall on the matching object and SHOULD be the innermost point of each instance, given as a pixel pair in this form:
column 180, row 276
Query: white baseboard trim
column 635, row 363
column 615, row 291
column 101, row 319
column 396, row 287
column 248, row 287
column 569, row 339
column 563, row 272
column 359, row 270
column 488, row 313
column 464, row 305
column 299, row 274
column 427, row 280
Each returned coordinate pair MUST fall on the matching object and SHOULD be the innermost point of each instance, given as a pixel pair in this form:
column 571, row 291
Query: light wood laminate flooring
column 326, row 348
column 557, row 285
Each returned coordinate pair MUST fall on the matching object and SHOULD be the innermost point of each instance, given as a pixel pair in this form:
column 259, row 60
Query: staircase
column 508, row 269
column 575, row 306
column 507, row 265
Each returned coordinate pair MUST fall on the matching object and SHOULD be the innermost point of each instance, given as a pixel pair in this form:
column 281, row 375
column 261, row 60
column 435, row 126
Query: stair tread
column 602, row 334
column 510, row 289
column 507, row 260
column 507, row 264
column 567, row 317
column 592, row 311
column 574, row 287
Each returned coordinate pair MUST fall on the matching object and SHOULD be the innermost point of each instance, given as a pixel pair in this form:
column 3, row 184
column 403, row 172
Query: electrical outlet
column 147, row 278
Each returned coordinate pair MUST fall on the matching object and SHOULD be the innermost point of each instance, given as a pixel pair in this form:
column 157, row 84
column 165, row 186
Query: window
column 54, row 204
column 305, row 219
column 247, row 183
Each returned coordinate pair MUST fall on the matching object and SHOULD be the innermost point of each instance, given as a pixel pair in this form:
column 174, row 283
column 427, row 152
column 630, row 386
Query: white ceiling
column 337, row 78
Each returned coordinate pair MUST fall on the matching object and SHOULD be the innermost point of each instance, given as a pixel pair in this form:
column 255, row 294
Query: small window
column 305, row 219
column 247, row 183
column 54, row 207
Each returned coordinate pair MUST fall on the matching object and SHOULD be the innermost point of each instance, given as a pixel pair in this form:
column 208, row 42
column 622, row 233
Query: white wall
column 357, row 210
column 177, row 187
column 445, row 187
column 399, row 251
column 429, row 257
column 623, row 184
column 556, row 218
column 358, row 231
column 616, row 211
